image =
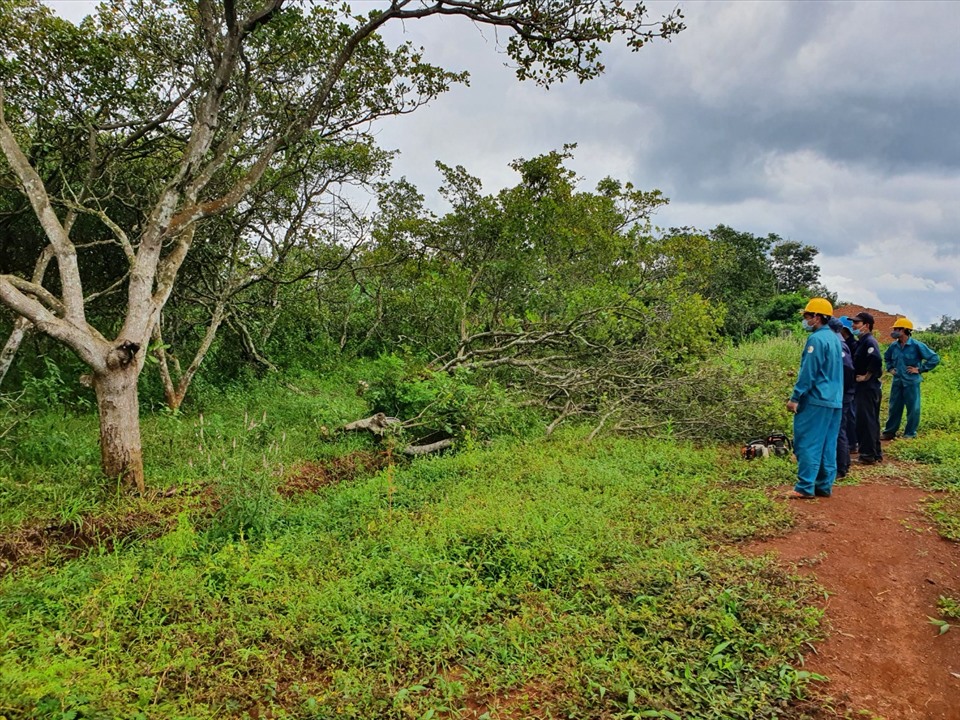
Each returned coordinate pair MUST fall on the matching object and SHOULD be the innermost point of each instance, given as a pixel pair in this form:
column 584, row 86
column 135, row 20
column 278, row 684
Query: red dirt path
column 884, row 567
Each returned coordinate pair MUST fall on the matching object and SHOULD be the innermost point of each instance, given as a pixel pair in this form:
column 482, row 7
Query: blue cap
column 835, row 324
column 846, row 322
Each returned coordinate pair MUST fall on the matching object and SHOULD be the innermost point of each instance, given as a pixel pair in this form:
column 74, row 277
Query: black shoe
column 820, row 493
column 867, row 460
column 888, row 436
column 841, row 474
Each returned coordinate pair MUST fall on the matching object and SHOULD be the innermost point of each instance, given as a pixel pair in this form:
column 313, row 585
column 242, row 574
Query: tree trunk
column 20, row 327
column 120, row 452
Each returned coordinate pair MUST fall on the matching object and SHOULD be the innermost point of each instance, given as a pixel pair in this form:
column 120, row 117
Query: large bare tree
column 205, row 97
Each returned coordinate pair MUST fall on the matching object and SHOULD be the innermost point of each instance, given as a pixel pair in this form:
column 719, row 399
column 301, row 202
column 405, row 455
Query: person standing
column 867, row 367
column 817, row 402
column 847, row 333
column 845, row 438
column 906, row 359
column 849, row 420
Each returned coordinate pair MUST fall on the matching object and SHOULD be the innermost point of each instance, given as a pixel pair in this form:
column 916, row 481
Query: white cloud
column 906, row 281
column 829, row 123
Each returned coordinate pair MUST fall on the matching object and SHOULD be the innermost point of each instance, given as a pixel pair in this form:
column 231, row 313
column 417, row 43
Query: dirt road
column 884, row 567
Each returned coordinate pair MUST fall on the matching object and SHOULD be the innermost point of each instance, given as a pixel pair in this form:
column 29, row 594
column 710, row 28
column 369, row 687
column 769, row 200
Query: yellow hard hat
column 903, row 323
column 819, row 306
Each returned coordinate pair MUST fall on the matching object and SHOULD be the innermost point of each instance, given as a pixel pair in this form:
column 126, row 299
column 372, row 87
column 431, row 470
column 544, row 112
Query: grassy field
column 278, row 572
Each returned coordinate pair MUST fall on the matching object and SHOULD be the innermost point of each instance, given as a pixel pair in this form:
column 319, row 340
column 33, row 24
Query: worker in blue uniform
column 817, row 402
column 849, row 385
column 847, row 333
column 907, row 360
column 868, row 368
column 849, row 421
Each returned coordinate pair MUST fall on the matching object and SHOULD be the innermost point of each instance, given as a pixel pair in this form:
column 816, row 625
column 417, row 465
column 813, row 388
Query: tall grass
column 586, row 579
column 534, row 578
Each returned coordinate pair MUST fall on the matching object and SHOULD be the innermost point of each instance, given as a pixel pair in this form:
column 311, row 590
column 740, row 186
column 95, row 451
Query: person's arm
column 876, row 363
column 930, row 358
column 871, row 362
column 805, row 376
column 888, row 359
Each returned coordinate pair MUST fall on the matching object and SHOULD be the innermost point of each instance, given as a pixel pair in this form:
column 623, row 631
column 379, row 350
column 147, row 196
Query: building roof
column 882, row 321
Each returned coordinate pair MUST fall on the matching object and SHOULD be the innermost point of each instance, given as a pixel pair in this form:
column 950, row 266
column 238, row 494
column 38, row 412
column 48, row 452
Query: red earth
column 883, row 567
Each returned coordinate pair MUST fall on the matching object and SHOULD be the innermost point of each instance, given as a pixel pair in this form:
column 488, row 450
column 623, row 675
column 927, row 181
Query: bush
column 439, row 402
column 48, row 390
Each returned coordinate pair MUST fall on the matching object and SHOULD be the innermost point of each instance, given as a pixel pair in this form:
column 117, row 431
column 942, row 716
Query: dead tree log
column 377, row 424
column 380, row 423
column 415, row 450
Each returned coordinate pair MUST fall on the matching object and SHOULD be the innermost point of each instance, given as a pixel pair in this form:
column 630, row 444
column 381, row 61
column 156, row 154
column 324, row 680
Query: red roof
column 882, row 322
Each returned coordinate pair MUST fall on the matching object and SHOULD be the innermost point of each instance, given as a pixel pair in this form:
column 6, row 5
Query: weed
column 949, row 607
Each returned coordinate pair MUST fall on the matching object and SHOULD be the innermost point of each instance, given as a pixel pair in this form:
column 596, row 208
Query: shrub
column 451, row 404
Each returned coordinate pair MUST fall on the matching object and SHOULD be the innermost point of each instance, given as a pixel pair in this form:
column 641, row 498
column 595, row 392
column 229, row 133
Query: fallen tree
column 381, row 425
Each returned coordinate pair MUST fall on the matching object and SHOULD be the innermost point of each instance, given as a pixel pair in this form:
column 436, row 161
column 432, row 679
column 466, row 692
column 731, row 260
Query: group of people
column 836, row 399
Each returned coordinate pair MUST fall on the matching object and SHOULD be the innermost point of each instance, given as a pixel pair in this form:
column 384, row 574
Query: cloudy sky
column 835, row 124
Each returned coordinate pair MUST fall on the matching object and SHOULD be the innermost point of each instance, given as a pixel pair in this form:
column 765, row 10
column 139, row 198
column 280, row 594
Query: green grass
column 548, row 578
column 937, row 446
column 588, row 580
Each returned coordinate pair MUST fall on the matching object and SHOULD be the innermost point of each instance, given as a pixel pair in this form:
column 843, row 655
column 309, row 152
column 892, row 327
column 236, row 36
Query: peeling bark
column 21, row 326
column 121, row 454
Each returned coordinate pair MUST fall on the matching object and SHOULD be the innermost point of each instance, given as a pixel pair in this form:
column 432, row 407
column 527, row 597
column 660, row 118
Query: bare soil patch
column 58, row 542
column 311, row 476
column 884, row 567
column 54, row 543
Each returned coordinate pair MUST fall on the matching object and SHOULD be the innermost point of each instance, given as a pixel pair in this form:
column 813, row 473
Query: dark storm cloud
column 808, row 84
column 831, row 123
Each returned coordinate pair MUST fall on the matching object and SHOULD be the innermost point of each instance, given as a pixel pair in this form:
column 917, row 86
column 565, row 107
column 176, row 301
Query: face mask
column 896, row 334
column 856, row 333
column 807, row 326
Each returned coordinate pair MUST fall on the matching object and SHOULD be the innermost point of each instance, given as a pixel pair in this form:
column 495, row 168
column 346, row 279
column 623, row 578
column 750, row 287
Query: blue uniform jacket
column 849, row 383
column 867, row 359
column 820, row 380
column 852, row 343
column 913, row 354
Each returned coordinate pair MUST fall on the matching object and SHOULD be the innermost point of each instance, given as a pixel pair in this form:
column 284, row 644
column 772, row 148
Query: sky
column 834, row 124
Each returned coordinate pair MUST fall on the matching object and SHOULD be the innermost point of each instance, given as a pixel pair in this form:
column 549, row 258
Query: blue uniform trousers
column 815, row 430
column 850, row 420
column 868, row 420
column 904, row 395
column 847, row 436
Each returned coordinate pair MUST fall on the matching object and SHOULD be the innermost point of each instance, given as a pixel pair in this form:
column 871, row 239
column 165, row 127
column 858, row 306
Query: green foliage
column 737, row 394
column 949, row 607
column 939, row 450
column 449, row 404
column 742, row 279
column 596, row 572
column 941, row 342
column 47, row 389
column 945, row 326
column 794, row 266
